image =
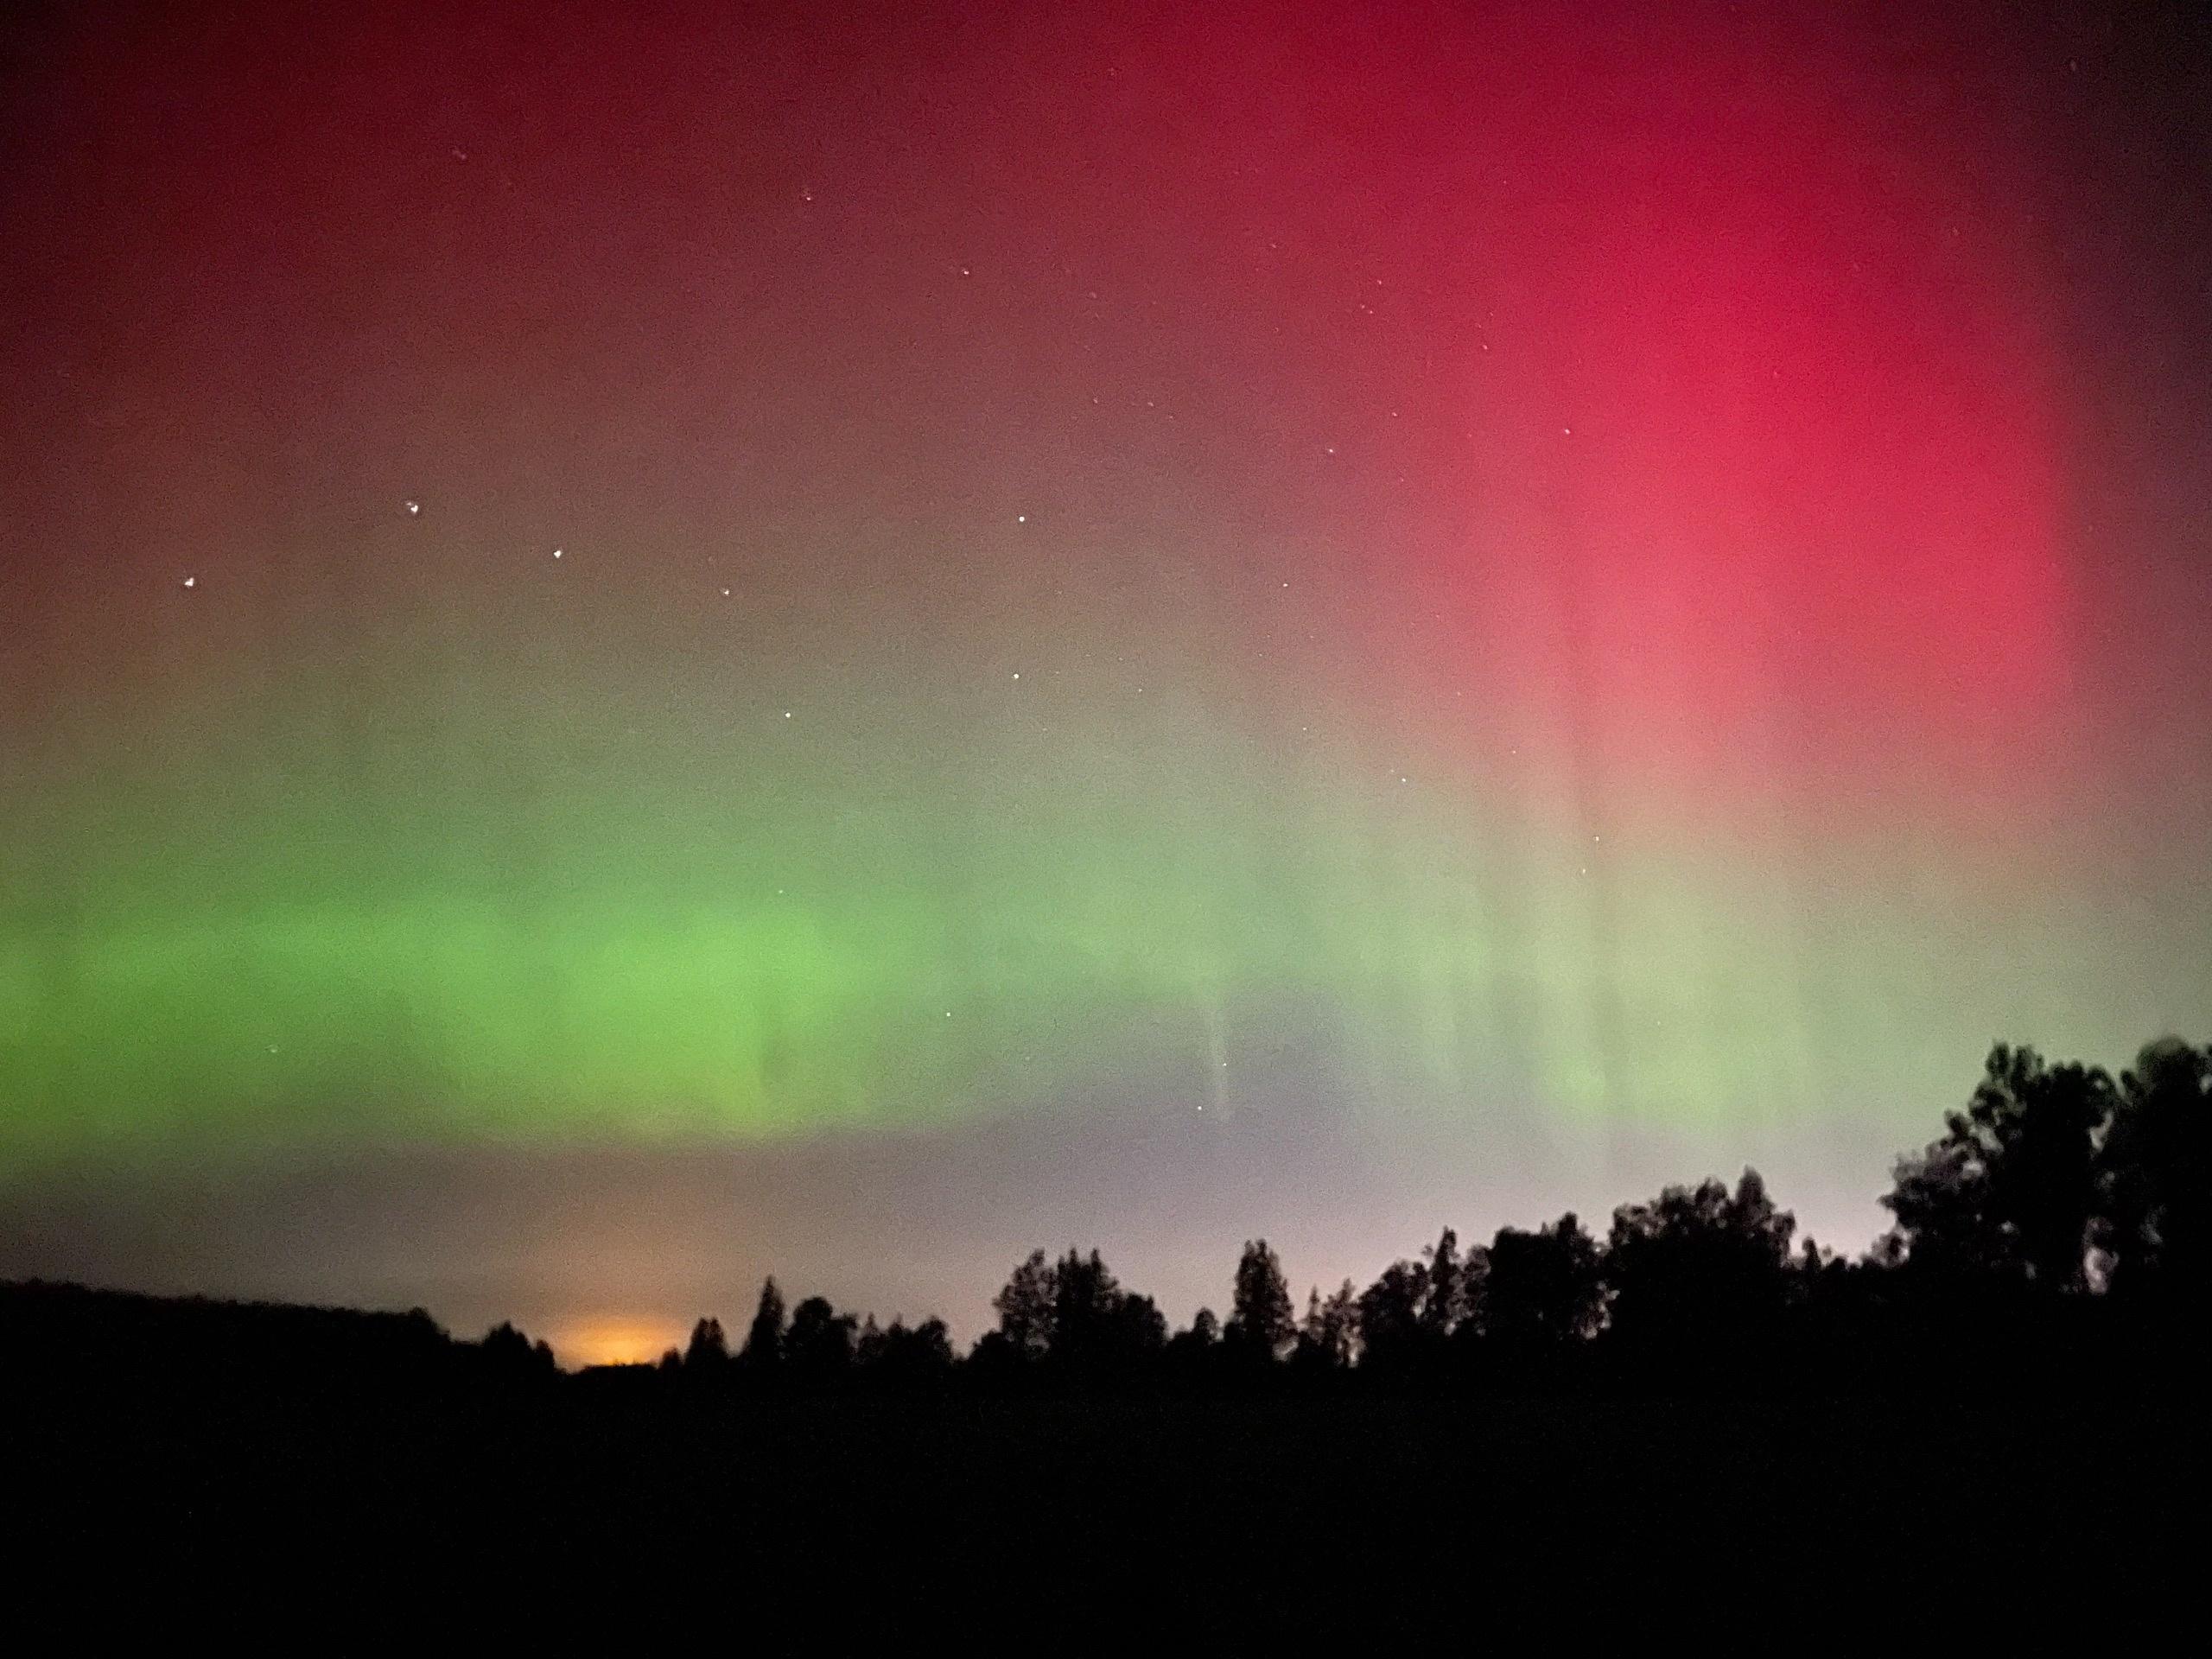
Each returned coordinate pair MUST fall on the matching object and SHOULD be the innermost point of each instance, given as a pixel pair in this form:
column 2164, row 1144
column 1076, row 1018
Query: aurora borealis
column 646, row 644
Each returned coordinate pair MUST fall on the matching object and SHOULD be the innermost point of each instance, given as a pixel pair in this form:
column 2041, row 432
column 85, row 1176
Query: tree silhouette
column 508, row 1353
column 1261, row 1322
column 1098, row 1328
column 1192, row 1355
column 1085, row 1296
column 1699, row 1275
column 903, row 1356
column 2155, row 1172
column 1074, row 1316
column 1026, row 1308
column 818, row 1346
column 1450, row 1286
column 1389, row 1316
column 764, row 1339
column 1140, row 1328
column 708, row 1353
column 2011, row 1188
column 927, row 1346
column 1544, row 1289
column 1328, row 1337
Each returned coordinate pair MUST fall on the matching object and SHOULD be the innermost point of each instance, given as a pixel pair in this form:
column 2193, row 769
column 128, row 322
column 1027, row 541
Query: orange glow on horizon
column 615, row 1339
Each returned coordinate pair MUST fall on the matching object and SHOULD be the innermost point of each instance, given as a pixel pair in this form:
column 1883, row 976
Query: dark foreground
column 1060, row 1523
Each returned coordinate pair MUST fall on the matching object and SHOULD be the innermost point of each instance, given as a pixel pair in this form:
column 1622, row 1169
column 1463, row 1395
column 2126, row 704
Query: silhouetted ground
column 1053, row 1522
column 1686, row 1427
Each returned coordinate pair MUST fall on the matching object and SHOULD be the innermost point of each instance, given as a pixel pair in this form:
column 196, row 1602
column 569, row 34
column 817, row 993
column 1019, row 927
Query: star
column 414, row 508
column 557, row 552
column 192, row 581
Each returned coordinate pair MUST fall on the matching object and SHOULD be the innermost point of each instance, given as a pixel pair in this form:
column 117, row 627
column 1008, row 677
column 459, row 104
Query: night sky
column 641, row 644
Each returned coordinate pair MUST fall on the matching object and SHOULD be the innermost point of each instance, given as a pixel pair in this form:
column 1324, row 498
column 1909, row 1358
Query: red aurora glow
column 1768, row 462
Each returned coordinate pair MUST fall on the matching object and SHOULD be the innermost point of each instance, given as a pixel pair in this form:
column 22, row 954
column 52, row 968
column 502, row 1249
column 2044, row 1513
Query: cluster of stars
column 413, row 508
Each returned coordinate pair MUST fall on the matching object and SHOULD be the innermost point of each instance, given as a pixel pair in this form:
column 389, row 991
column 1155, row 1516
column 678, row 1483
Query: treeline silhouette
column 2057, row 1226
column 2058, row 1223
column 1999, row 1400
